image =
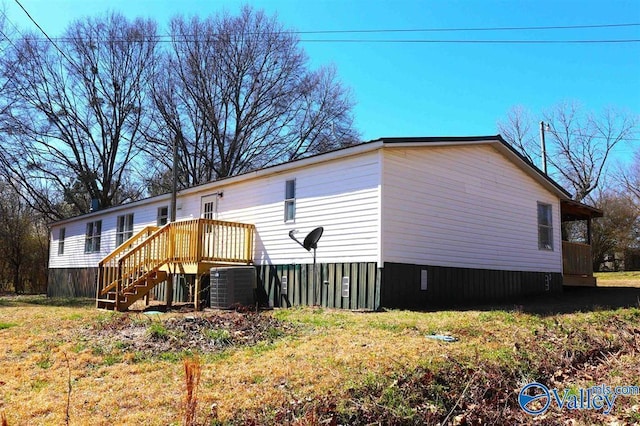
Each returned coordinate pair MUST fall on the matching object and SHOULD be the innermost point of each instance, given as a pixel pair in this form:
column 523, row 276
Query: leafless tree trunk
column 74, row 126
column 235, row 93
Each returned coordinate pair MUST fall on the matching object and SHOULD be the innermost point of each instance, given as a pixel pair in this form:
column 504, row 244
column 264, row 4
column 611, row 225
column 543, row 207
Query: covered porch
column 577, row 265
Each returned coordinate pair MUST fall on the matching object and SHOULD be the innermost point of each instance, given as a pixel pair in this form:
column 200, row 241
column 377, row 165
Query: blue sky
column 433, row 89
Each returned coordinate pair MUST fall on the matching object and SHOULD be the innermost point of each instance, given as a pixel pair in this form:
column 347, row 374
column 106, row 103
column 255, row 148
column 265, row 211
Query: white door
column 209, row 206
column 209, row 210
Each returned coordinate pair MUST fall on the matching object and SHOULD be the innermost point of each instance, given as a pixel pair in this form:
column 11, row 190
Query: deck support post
column 196, row 293
column 168, row 296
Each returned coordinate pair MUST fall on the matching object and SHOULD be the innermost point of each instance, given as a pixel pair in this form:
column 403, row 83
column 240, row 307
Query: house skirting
column 333, row 285
column 404, row 285
column 358, row 285
column 72, row 282
column 397, row 285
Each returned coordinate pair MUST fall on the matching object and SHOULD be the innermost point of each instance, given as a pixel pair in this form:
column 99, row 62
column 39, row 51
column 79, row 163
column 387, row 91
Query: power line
column 536, row 28
column 45, row 34
column 470, row 41
column 167, row 39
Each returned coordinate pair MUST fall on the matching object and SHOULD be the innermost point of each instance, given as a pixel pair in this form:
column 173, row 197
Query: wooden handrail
column 140, row 235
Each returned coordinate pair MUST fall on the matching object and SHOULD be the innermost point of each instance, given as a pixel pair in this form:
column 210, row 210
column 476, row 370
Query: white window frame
column 61, row 236
column 163, row 216
column 290, row 200
column 93, row 236
column 124, row 228
column 545, row 229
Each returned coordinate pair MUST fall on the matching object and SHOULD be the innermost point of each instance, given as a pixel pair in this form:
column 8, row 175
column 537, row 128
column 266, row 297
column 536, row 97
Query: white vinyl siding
column 464, row 206
column 75, row 234
column 341, row 196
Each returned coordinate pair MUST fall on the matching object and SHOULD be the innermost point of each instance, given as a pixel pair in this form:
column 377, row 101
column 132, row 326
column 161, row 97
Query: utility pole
column 174, row 183
column 173, row 277
column 543, row 148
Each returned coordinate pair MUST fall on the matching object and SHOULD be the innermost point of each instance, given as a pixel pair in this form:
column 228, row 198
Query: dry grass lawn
column 331, row 354
column 618, row 279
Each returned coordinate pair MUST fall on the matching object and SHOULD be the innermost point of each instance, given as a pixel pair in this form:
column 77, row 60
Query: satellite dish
column 311, row 240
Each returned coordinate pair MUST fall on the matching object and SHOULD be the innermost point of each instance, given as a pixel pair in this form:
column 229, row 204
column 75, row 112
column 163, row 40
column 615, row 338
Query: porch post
column 589, row 230
column 168, row 296
column 196, row 293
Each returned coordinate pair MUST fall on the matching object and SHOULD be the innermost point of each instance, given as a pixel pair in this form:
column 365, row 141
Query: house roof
column 496, row 141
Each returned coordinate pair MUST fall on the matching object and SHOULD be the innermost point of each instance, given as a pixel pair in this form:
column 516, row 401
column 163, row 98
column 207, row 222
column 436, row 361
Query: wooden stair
column 132, row 293
column 133, row 269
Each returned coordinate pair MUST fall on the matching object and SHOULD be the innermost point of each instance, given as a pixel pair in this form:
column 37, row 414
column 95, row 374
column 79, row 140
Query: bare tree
column 518, row 129
column 235, row 93
column 618, row 230
column 74, row 127
column 630, row 177
column 578, row 143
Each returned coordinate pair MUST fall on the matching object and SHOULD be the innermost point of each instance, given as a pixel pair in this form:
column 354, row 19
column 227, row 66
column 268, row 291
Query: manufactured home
column 405, row 222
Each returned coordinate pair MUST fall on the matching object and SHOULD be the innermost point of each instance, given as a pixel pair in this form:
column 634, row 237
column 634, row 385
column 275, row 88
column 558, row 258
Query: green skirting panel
column 403, row 285
column 332, row 285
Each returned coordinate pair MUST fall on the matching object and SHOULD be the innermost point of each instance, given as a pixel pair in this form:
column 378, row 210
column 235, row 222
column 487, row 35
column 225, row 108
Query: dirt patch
column 204, row 332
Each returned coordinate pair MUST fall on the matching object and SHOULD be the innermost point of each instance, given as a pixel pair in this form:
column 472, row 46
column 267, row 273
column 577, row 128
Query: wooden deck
column 186, row 247
column 576, row 265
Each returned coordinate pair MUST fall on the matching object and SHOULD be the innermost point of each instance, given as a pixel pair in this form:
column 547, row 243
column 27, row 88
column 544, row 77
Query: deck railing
column 187, row 241
column 108, row 267
column 576, row 259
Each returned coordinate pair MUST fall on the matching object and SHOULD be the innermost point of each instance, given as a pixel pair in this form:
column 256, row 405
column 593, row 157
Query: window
column 92, row 239
column 124, row 229
column 545, row 227
column 290, row 200
column 163, row 215
column 61, row 236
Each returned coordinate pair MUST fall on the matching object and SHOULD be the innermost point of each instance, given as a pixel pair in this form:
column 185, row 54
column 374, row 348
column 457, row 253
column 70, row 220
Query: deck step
column 108, row 304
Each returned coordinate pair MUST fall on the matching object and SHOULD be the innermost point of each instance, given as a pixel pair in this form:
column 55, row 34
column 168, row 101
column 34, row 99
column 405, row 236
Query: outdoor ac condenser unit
column 232, row 285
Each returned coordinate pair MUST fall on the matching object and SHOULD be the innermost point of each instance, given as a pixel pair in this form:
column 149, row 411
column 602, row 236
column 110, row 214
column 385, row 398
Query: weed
column 38, row 384
column 5, row 325
column 257, row 379
column 218, row 335
column 192, row 373
column 73, row 317
column 274, row 333
column 111, row 359
column 175, row 356
column 157, row 330
column 79, row 347
column 262, row 347
column 44, row 361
